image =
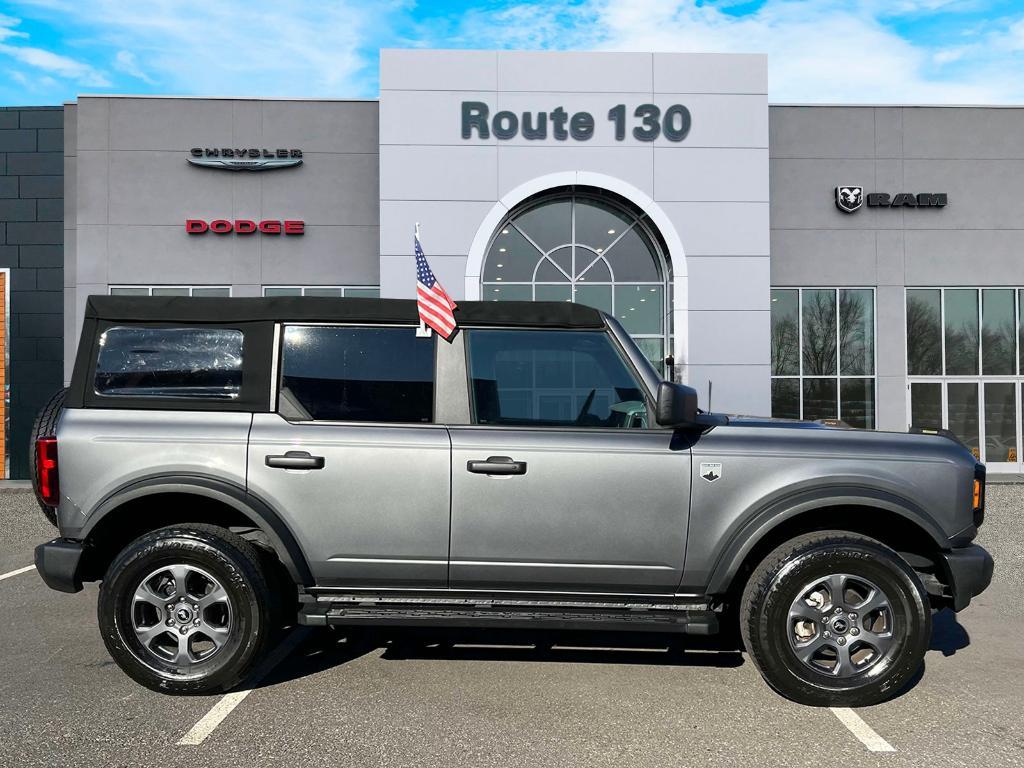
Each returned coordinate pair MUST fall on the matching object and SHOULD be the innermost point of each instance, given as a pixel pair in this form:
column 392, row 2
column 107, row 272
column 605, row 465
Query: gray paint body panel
column 601, row 510
column 101, row 451
column 376, row 514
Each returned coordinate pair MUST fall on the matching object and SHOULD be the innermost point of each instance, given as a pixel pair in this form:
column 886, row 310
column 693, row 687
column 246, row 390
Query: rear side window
column 204, row 363
column 357, row 374
column 552, row 378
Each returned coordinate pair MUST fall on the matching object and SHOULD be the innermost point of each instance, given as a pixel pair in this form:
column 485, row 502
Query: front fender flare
column 764, row 521
column 269, row 522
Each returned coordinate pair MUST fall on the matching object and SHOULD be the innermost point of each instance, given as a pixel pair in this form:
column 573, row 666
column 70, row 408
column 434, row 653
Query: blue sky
column 910, row 51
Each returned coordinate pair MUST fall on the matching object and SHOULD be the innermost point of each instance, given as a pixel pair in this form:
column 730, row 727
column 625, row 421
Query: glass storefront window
column 998, row 332
column 170, row 290
column 823, row 354
column 328, row 291
column 924, row 332
column 962, row 407
column 968, row 379
column 960, row 325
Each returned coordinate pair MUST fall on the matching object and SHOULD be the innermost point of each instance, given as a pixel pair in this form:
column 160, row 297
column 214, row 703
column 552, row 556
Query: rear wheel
column 835, row 618
column 186, row 609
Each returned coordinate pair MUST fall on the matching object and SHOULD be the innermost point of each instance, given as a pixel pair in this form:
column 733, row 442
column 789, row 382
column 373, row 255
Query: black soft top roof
column 172, row 309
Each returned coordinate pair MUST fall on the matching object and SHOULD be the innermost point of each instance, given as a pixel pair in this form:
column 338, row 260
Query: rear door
column 559, row 483
column 353, row 460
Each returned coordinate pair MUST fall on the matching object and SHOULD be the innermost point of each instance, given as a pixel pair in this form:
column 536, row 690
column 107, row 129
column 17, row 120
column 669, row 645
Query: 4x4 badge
column 711, row 470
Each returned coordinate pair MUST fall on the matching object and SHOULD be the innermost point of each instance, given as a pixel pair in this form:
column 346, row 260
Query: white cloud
column 125, row 62
column 818, row 50
column 54, row 63
column 236, row 47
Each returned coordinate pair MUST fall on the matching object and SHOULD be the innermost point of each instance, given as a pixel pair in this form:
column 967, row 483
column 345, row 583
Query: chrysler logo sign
column 850, row 198
column 245, row 159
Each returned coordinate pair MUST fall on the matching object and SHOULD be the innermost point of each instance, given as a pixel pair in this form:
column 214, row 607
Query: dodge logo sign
column 245, row 159
column 245, row 226
column 849, row 199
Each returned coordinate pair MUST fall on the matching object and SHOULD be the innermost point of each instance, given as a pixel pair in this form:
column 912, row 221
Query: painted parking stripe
column 9, row 574
column 206, row 725
column 856, row 725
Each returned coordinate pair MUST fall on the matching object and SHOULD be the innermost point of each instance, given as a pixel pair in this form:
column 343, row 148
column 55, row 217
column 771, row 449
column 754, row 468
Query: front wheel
column 835, row 619
column 186, row 609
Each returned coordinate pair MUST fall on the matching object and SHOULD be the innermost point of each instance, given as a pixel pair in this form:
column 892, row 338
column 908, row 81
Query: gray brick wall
column 31, row 246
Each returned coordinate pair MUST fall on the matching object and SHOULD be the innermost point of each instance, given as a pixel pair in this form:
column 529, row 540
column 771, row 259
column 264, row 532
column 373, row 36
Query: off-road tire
column 229, row 558
column 44, row 426
column 777, row 582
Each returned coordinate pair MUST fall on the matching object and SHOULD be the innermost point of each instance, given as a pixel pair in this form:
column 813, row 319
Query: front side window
column 823, row 354
column 203, row 363
column 552, row 378
column 335, row 373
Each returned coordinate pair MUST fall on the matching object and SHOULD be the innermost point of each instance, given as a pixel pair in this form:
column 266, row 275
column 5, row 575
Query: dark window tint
column 819, row 323
column 552, row 378
column 926, row 405
column 786, row 398
column 820, row 399
column 170, row 362
column 358, row 374
column 961, row 321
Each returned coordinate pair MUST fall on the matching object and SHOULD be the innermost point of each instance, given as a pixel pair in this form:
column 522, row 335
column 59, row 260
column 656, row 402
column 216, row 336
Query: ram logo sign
column 850, row 198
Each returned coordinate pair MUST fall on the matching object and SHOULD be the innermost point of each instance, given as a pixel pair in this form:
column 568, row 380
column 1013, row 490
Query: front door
column 352, row 459
column 560, row 483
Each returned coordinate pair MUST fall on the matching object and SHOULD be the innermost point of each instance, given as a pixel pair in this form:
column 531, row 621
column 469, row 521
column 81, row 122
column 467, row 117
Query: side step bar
column 398, row 611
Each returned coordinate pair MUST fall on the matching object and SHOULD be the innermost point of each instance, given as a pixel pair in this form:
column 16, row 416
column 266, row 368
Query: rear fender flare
column 269, row 522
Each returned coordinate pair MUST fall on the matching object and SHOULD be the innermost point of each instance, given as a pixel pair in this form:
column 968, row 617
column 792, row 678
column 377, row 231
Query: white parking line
column 206, row 725
column 862, row 730
column 9, row 574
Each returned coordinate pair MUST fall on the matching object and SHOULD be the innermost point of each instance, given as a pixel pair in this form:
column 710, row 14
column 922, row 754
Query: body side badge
column 711, row 470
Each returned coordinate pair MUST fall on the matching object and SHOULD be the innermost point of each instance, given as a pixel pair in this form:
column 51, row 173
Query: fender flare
column 766, row 520
column 235, row 496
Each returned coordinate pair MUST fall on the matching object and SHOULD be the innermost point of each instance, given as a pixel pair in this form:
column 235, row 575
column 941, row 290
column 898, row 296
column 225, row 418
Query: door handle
column 497, row 465
column 296, row 460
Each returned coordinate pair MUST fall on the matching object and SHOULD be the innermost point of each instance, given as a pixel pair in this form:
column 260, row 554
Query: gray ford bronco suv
column 223, row 466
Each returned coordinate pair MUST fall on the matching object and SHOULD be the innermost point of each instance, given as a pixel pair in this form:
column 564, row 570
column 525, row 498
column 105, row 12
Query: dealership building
column 857, row 262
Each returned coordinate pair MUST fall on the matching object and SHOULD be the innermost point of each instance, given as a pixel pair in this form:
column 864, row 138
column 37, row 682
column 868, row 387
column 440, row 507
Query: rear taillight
column 46, row 471
column 978, row 499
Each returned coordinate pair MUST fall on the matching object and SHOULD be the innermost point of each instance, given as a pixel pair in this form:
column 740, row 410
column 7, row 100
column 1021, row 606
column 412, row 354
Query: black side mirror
column 677, row 405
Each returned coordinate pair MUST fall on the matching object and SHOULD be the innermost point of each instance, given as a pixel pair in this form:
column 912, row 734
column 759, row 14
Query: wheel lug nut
column 183, row 630
column 853, row 617
column 841, row 640
column 854, row 631
column 195, row 623
column 827, row 633
column 195, row 607
column 170, row 622
column 838, row 610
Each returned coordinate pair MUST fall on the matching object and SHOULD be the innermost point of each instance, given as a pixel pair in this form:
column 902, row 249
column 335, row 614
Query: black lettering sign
column 474, row 115
column 932, row 199
column 196, row 152
column 581, row 126
column 904, row 199
column 506, row 125
column 878, row 199
column 228, row 152
column 541, row 131
column 558, row 118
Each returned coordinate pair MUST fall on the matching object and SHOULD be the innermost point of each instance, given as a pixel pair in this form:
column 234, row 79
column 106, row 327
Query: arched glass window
column 589, row 248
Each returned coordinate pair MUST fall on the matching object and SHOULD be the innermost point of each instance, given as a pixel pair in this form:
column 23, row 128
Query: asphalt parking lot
column 514, row 700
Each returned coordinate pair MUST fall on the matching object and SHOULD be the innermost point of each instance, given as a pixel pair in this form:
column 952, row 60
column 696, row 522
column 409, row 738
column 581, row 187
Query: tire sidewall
column 249, row 617
column 911, row 624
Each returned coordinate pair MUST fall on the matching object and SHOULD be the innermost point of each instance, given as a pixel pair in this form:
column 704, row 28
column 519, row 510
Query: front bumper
column 968, row 573
column 58, row 562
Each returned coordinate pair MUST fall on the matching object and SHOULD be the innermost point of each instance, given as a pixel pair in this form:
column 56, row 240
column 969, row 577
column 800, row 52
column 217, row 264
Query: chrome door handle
column 496, row 465
column 296, row 460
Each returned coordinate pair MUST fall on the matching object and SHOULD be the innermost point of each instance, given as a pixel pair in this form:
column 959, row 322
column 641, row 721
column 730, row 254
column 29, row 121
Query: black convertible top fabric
column 171, row 309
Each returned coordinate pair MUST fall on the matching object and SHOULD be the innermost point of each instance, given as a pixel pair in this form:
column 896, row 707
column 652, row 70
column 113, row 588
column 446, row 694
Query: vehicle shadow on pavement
column 325, row 649
column 948, row 634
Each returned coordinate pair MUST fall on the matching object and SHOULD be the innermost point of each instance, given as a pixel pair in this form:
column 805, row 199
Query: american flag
column 434, row 304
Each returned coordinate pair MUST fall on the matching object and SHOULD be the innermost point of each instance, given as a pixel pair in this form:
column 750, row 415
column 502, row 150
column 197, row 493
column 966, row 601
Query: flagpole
column 422, row 331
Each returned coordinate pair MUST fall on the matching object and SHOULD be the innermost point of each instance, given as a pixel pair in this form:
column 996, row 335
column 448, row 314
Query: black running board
column 400, row 611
